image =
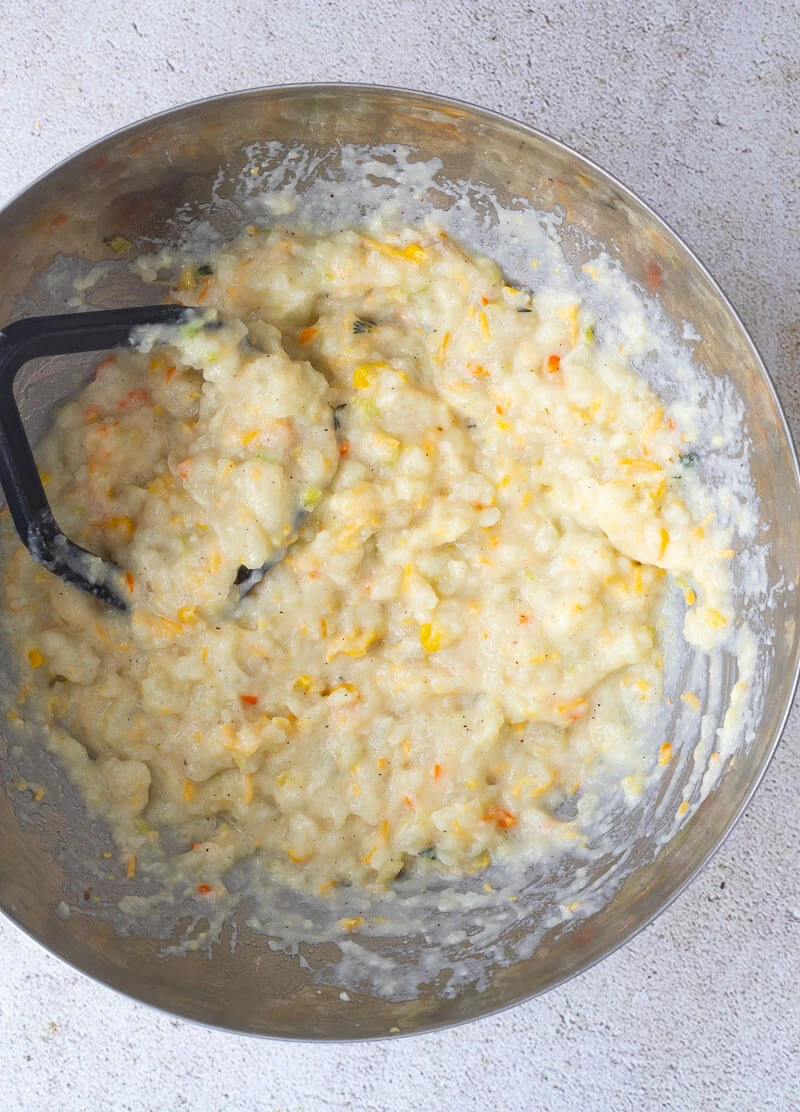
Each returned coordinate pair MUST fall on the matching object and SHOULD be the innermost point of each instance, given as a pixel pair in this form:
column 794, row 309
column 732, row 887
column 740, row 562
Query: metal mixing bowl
column 135, row 182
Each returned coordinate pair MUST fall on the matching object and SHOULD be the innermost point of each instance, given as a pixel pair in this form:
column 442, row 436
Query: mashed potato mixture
column 478, row 510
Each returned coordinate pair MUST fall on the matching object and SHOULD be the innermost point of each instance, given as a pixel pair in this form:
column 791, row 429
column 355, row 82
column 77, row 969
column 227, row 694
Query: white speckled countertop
column 697, row 112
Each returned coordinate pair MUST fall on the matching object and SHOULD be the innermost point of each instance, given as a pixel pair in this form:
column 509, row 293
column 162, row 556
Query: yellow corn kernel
column 351, row 924
column 187, row 614
column 304, row 683
column 35, row 658
column 443, row 346
column 249, row 437
column 430, row 637
column 642, row 464
column 248, row 789
column 483, row 321
column 123, row 526
column 684, row 807
column 664, row 754
column 364, row 374
column 715, row 619
column 188, row 790
column 355, row 646
column 131, row 867
column 657, row 493
column 691, row 700
column 413, row 252
column 664, row 541
column 503, row 425
column 690, row 596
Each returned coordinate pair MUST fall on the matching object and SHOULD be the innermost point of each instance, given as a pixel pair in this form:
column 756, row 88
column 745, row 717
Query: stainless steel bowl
column 135, row 182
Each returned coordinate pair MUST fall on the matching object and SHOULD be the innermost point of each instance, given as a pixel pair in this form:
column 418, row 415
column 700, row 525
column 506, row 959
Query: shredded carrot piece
column 552, row 364
column 250, row 700
column 204, row 889
column 500, row 816
column 437, row 771
column 129, row 580
column 305, row 335
column 344, row 448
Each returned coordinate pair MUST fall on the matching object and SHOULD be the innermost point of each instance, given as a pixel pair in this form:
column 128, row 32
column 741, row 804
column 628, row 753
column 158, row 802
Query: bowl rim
column 434, row 100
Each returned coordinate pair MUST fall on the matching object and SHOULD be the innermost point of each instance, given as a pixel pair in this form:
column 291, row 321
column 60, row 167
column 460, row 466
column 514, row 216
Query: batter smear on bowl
column 479, row 510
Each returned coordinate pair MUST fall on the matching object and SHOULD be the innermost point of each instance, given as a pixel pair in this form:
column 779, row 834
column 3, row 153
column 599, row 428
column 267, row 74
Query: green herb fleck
column 363, row 325
column 310, row 496
column 118, row 244
column 524, row 310
column 205, row 270
column 688, row 459
column 430, row 853
column 589, row 334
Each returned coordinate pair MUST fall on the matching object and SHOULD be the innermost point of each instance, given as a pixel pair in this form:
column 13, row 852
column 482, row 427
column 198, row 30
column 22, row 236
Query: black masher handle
column 35, row 338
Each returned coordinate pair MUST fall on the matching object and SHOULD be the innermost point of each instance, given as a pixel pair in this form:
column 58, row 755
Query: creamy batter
column 480, row 512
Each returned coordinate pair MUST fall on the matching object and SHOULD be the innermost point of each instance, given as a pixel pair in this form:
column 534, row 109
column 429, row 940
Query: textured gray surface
column 695, row 110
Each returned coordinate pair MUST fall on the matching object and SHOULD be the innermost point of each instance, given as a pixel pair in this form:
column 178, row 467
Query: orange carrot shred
column 500, row 816
column 306, row 334
column 344, row 448
column 129, row 580
column 204, row 889
column 250, row 700
column 553, row 363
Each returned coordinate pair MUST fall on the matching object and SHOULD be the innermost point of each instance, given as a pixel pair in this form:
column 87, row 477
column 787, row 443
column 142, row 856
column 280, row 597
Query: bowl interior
column 153, row 183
